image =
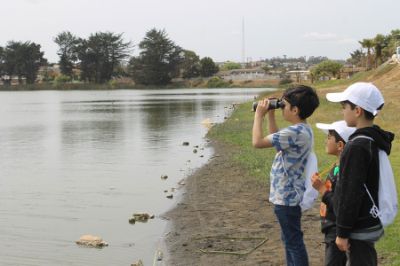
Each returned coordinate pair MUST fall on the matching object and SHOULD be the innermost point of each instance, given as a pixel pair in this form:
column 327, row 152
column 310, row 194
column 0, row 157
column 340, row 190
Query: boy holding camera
column 338, row 134
column 356, row 192
column 287, row 178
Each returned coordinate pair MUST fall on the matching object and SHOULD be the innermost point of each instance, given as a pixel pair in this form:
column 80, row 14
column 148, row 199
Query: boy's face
column 349, row 115
column 289, row 112
column 332, row 147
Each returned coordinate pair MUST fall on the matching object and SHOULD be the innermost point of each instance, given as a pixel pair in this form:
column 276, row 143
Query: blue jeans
column 289, row 219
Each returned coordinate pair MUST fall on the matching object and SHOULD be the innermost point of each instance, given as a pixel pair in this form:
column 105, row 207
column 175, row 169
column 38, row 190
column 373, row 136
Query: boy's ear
column 296, row 110
column 359, row 111
column 340, row 145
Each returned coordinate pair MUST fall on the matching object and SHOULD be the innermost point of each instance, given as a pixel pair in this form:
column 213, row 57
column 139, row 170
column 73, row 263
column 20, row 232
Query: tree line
column 20, row 59
column 374, row 51
column 104, row 56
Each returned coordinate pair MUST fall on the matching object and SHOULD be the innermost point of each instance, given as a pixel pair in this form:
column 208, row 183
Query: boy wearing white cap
column 356, row 228
column 338, row 134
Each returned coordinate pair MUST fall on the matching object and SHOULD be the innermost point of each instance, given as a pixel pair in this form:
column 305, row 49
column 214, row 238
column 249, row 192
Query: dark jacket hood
column 382, row 138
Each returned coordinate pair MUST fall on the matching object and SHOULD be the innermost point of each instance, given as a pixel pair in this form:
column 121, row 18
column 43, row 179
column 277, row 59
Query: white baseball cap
column 340, row 127
column 363, row 94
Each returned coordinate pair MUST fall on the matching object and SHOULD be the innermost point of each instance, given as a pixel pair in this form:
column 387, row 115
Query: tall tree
column 23, row 59
column 356, row 57
column 158, row 61
column 1, row 62
column 326, row 68
column 392, row 41
column 67, row 51
column 208, row 67
column 379, row 42
column 190, row 65
column 101, row 55
column 12, row 65
column 368, row 44
column 395, row 36
column 34, row 59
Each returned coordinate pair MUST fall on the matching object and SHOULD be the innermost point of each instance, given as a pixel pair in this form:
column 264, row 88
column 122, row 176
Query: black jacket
column 359, row 165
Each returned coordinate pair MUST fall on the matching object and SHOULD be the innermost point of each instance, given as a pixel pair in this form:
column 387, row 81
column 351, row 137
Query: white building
column 247, row 74
column 299, row 75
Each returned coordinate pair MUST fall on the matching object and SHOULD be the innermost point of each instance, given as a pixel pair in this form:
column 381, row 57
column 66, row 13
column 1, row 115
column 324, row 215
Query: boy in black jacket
column 356, row 228
column 338, row 134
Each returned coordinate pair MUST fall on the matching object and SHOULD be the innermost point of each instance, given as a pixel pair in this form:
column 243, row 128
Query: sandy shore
column 225, row 209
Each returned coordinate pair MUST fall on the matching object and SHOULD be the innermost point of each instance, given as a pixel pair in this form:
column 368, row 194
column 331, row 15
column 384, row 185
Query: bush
column 62, row 79
column 112, row 83
column 217, row 82
column 285, row 81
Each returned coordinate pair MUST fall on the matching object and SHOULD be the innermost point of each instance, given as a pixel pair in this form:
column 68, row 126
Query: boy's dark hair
column 368, row 115
column 304, row 97
column 336, row 136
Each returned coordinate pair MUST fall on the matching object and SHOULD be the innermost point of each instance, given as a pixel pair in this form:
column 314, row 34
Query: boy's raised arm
column 258, row 139
column 272, row 126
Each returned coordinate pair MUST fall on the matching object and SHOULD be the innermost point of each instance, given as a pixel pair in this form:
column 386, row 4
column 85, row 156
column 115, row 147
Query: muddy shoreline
column 224, row 212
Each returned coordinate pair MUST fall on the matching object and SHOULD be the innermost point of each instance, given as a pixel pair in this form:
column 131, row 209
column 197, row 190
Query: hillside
column 236, row 134
column 387, row 79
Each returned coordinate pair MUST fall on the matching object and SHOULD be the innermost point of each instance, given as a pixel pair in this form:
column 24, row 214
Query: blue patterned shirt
column 293, row 145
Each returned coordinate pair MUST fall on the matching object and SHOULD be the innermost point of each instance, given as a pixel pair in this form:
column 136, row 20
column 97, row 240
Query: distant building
column 247, row 74
column 347, row 71
column 14, row 80
column 49, row 72
column 299, row 75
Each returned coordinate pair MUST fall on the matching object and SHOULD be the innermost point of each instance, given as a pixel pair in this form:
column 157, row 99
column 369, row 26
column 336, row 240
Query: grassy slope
column 237, row 132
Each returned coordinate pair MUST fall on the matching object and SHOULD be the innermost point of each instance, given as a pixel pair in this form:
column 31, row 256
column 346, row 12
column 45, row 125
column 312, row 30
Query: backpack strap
column 374, row 211
column 362, row 137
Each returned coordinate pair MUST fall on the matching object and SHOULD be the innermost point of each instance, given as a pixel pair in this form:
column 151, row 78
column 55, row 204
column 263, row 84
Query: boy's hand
column 262, row 107
column 318, row 184
column 342, row 243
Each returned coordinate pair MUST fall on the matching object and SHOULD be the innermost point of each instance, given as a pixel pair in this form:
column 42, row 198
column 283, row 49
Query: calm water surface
column 82, row 162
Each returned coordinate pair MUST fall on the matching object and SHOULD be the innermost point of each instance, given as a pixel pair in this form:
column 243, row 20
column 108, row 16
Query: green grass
column 360, row 76
column 236, row 131
column 383, row 69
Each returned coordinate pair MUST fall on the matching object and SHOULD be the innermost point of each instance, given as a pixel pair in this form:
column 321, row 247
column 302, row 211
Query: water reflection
column 79, row 162
column 98, row 131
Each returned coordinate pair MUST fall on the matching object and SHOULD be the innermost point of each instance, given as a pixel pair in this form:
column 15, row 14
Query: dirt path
column 225, row 209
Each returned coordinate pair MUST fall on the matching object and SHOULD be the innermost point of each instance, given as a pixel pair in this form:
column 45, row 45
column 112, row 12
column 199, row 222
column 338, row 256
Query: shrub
column 62, row 79
column 285, row 81
column 217, row 82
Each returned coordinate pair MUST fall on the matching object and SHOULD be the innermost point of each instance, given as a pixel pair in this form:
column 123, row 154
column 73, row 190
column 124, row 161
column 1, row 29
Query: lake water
column 82, row 162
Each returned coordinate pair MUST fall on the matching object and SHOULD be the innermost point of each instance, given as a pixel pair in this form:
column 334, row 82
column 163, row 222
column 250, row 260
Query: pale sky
column 212, row 28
